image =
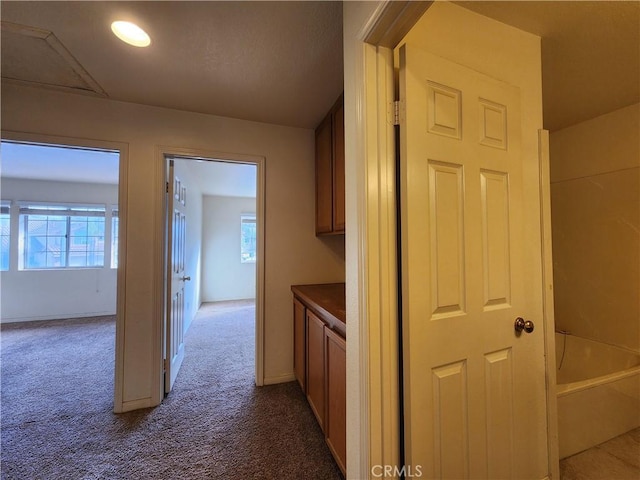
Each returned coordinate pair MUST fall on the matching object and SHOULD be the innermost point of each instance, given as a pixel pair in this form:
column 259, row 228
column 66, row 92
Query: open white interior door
column 176, row 246
column 474, row 388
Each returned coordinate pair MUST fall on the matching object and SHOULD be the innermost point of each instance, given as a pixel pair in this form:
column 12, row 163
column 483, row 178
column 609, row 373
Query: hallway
column 57, row 420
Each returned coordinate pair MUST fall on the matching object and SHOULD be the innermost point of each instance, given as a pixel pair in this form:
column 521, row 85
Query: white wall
column 193, row 253
column 595, row 202
column 293, row 253
column 49, row 294
column 224, row 277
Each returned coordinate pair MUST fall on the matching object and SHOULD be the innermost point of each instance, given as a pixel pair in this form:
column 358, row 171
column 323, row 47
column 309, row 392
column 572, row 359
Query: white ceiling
column 281, row 62
column 273, row 62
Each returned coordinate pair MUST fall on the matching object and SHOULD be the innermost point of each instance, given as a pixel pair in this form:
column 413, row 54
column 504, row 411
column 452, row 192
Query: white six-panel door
column 475, row 404
column 176, row 255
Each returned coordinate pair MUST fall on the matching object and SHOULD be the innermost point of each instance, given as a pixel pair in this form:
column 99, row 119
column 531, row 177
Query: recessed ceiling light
column 131, row 33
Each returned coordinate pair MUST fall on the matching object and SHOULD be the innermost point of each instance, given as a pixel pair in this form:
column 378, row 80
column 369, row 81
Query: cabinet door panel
column 315, row 366
column 336, row 397
column 324, row 177
column 338, row 168
column 299, row 348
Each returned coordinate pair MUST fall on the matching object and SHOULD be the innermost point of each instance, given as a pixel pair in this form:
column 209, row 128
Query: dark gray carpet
column 57, row 420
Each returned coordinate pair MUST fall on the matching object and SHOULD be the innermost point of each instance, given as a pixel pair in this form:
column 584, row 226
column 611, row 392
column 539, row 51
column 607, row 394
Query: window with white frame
column 115, row 223
column 5, row 235
column 59, row 236
column 248, row 241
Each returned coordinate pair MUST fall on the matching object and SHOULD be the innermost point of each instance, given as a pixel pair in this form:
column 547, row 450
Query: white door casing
column 176, row 255
column 475, row 398
column 163, row 261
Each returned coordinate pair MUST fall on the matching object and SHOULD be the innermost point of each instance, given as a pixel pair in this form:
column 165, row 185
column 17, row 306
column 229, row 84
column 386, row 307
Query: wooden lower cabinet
column 315, row 366
column 319, row 359
column 335, row 350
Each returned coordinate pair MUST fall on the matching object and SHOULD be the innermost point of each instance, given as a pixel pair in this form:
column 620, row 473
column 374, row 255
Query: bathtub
column 598, row 392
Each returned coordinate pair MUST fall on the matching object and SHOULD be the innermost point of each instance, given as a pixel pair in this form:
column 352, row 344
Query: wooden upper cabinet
column 338, row 167
column 330, row 201
column 324, row 176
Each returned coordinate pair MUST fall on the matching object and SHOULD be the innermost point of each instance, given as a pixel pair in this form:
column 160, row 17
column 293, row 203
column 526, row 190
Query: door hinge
column 396, row 112
column 167, row 186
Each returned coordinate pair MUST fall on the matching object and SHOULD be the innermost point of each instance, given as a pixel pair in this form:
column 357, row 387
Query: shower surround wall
column 595, row 201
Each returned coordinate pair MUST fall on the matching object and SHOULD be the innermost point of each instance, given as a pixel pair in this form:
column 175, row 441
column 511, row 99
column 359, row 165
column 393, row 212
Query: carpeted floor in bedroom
column 57, row 400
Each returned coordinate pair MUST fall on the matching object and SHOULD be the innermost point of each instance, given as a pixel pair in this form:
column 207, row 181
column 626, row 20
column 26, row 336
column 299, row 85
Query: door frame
column 373, row 391
column 159, row 238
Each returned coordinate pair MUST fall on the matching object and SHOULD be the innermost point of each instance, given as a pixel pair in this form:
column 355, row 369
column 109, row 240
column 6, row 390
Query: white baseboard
column 289, row 377
column 135, row 405
column 63, row 316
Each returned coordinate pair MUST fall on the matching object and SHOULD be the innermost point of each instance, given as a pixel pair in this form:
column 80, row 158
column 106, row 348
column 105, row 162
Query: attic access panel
column 33, row 56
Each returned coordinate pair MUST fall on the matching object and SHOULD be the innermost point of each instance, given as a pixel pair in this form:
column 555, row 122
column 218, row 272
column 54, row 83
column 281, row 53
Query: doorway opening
column 61, row 258
column 213, row 260
column 60, row 225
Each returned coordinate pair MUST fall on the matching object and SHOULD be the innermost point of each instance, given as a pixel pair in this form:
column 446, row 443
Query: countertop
column 327, row 300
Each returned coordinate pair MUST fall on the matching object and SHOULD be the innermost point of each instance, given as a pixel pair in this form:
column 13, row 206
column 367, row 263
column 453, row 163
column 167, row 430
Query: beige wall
column 293, row 253
column 224, row 276
column 595, row 194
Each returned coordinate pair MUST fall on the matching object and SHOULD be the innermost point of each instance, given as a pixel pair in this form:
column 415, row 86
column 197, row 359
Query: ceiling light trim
column 130, row 33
